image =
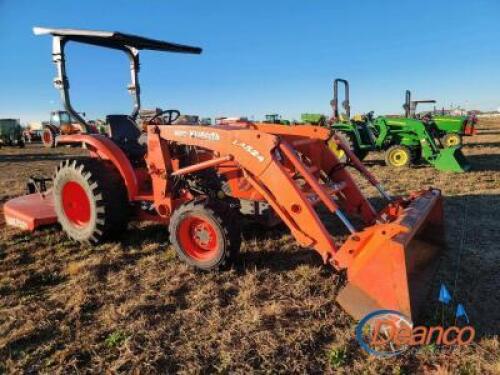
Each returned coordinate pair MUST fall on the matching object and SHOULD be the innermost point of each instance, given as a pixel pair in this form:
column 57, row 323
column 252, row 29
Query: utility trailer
column 11, row 132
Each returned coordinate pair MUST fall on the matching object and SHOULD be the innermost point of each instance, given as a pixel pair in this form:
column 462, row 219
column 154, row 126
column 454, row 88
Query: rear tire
column 49, row 137
column 204, row 235
column 451, row 140
column 90, row 200
column 398, row 156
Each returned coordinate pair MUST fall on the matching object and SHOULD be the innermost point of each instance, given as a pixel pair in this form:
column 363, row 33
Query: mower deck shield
column 451, row 159
column 391, row 265
column 30, row 211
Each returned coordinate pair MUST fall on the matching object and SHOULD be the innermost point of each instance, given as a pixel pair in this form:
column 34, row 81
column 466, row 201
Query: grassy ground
column 132, row 306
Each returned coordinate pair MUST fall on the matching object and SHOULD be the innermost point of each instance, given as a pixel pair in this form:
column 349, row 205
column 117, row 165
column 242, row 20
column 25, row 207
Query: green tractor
column 449, row 129
column 313, row 119
column 404, row 141
column 11, row 133
column 275, row 119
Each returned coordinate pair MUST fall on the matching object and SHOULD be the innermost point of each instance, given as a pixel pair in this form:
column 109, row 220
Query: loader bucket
column 451, row 160
column 390, row 266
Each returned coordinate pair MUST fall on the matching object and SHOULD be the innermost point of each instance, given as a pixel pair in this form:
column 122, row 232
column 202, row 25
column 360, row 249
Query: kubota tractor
column 198, row 180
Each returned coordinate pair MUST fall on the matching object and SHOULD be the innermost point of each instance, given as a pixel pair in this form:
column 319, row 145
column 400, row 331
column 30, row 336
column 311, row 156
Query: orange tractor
column 198, row 180
column 61, row 122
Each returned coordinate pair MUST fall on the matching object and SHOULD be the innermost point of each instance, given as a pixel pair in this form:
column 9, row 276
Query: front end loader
column 198, row 180
column 448, row 129
column 404, row 141
column 411, row 141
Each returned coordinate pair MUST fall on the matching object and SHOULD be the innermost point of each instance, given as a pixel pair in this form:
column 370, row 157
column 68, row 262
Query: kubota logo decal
column 198, row 134
column 386, row 333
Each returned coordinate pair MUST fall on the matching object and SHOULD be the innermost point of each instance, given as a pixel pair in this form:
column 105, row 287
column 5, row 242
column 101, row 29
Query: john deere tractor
column 275, row 119
column 405, row 141
column 313, row 118
column 449, row 129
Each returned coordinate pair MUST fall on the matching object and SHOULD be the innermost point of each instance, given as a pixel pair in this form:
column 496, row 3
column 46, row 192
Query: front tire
column 451, row 140
column 204, row 235
column 90, row 200
column 398, row 156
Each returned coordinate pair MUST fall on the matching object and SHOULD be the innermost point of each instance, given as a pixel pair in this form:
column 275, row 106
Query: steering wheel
column 170, row 114
column 370, row 115
column 426, row 117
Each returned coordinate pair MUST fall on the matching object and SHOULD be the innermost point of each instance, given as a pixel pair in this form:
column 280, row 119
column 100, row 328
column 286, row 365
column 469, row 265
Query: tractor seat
column 123, row 130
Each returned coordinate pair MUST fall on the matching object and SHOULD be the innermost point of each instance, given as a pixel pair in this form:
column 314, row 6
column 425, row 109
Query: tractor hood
column 403, row 121
column 458, row 119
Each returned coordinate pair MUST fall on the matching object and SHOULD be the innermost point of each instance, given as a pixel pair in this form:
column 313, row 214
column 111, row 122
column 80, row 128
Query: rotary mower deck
column 198, row 179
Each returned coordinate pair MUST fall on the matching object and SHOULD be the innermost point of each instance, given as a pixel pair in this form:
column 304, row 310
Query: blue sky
column 259, row 56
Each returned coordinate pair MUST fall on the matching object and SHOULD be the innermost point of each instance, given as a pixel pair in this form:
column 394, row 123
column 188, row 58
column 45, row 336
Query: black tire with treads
column 224, row 223
column 107, row 195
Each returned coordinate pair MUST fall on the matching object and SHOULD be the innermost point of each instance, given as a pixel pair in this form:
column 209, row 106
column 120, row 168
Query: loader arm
column 311, row 141
column 388, row 262
column 256, row 154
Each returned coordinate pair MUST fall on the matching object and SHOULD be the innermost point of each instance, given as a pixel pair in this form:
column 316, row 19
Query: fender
column 106, row 149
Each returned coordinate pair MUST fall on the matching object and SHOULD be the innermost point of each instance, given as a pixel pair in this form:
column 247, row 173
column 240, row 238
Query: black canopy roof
column 117, row 40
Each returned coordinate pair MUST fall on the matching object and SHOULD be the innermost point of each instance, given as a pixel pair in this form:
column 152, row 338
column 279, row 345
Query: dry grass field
column 131, row 306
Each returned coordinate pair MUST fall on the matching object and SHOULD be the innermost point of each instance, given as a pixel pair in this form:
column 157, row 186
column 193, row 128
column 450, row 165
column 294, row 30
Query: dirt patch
column 133, row 306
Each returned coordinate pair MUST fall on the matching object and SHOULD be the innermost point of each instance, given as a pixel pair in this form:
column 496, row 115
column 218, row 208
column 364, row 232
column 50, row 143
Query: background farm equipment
column 313, row 119
column 199, row 180
column 275, row 119
column 62, row 123
column 33, row 131
column 405, row 141
column 448, row 129
column 11, row 133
